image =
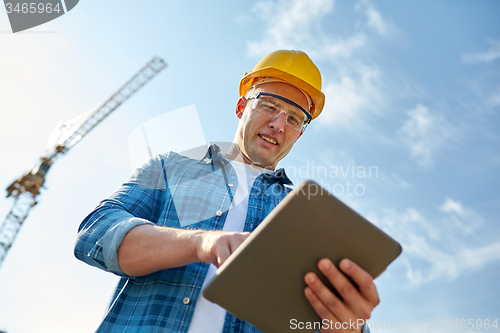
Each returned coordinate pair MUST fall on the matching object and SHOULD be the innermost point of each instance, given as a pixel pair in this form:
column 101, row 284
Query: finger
column 236, row 240
column 223, row 254
column 318, row 306
column 329, row 300
column 367, row 288
column 344, row 287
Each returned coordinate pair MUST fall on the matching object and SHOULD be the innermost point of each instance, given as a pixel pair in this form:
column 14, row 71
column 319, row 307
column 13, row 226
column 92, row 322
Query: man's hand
column 149, row 248
column 214, row 247
column 355, row 304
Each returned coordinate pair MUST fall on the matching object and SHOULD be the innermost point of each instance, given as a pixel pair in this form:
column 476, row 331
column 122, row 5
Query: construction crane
column 26, row 189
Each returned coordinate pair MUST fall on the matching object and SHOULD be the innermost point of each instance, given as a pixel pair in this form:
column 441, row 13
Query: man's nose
column 278, row 122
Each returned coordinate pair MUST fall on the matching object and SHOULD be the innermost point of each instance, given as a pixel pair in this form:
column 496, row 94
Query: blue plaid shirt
column 175, row 191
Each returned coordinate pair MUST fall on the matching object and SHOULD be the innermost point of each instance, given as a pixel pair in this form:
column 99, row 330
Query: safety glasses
column 272, row 106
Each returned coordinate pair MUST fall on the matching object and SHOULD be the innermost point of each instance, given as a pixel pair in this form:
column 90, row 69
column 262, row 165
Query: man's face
column 255, row 130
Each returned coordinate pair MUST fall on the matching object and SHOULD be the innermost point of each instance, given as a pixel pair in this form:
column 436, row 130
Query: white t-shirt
column 209, row 317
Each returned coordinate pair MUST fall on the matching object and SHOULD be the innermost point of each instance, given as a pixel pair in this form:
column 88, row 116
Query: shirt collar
column 215, row 156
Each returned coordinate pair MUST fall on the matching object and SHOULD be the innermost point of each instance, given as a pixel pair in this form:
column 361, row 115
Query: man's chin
column 257, row 160
column 265, row 164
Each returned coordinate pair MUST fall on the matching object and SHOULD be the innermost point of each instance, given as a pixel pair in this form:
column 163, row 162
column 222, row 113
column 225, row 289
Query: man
column 176, row 219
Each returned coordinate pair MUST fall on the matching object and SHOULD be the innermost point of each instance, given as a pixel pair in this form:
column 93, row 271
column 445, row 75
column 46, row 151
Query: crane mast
column 26, row 189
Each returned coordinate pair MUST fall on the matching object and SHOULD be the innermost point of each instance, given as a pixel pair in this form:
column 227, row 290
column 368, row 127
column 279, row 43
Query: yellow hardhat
column 294, row 67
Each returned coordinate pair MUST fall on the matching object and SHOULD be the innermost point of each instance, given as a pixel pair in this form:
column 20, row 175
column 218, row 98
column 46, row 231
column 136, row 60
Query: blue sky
column 412, row 89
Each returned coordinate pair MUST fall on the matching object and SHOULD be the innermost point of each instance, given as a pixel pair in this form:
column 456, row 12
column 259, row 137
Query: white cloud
column 450, row 206
column 463, row 219
column 374, row 19
column 354, row 88
column 485, row 56
column 437, row 249
column 426, row 133
column 350, row 96
column 395, row 181
column 343, row 47
column 292, row 26
column 494, row 99
column 290, row 23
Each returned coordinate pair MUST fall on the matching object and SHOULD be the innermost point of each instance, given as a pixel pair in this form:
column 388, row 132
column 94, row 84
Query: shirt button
column 186, row 300
column 218, row 213
column 230, row 185
column 223, row 163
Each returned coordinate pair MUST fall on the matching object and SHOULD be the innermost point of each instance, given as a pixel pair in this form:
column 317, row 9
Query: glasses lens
column 272, row 107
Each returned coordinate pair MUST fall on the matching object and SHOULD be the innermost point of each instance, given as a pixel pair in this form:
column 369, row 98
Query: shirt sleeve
column 136, row 202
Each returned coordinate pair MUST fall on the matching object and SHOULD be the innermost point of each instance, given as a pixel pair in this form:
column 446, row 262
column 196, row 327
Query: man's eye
column 268, row 106
column 294, row 120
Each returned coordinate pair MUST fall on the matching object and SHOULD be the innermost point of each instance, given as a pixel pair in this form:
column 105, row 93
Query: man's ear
column 240, row 106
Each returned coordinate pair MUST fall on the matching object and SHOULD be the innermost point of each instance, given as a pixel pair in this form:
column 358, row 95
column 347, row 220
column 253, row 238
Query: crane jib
column 26, row 189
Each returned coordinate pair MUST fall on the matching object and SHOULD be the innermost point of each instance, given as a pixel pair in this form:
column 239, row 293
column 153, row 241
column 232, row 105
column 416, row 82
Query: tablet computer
column 262, row 282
